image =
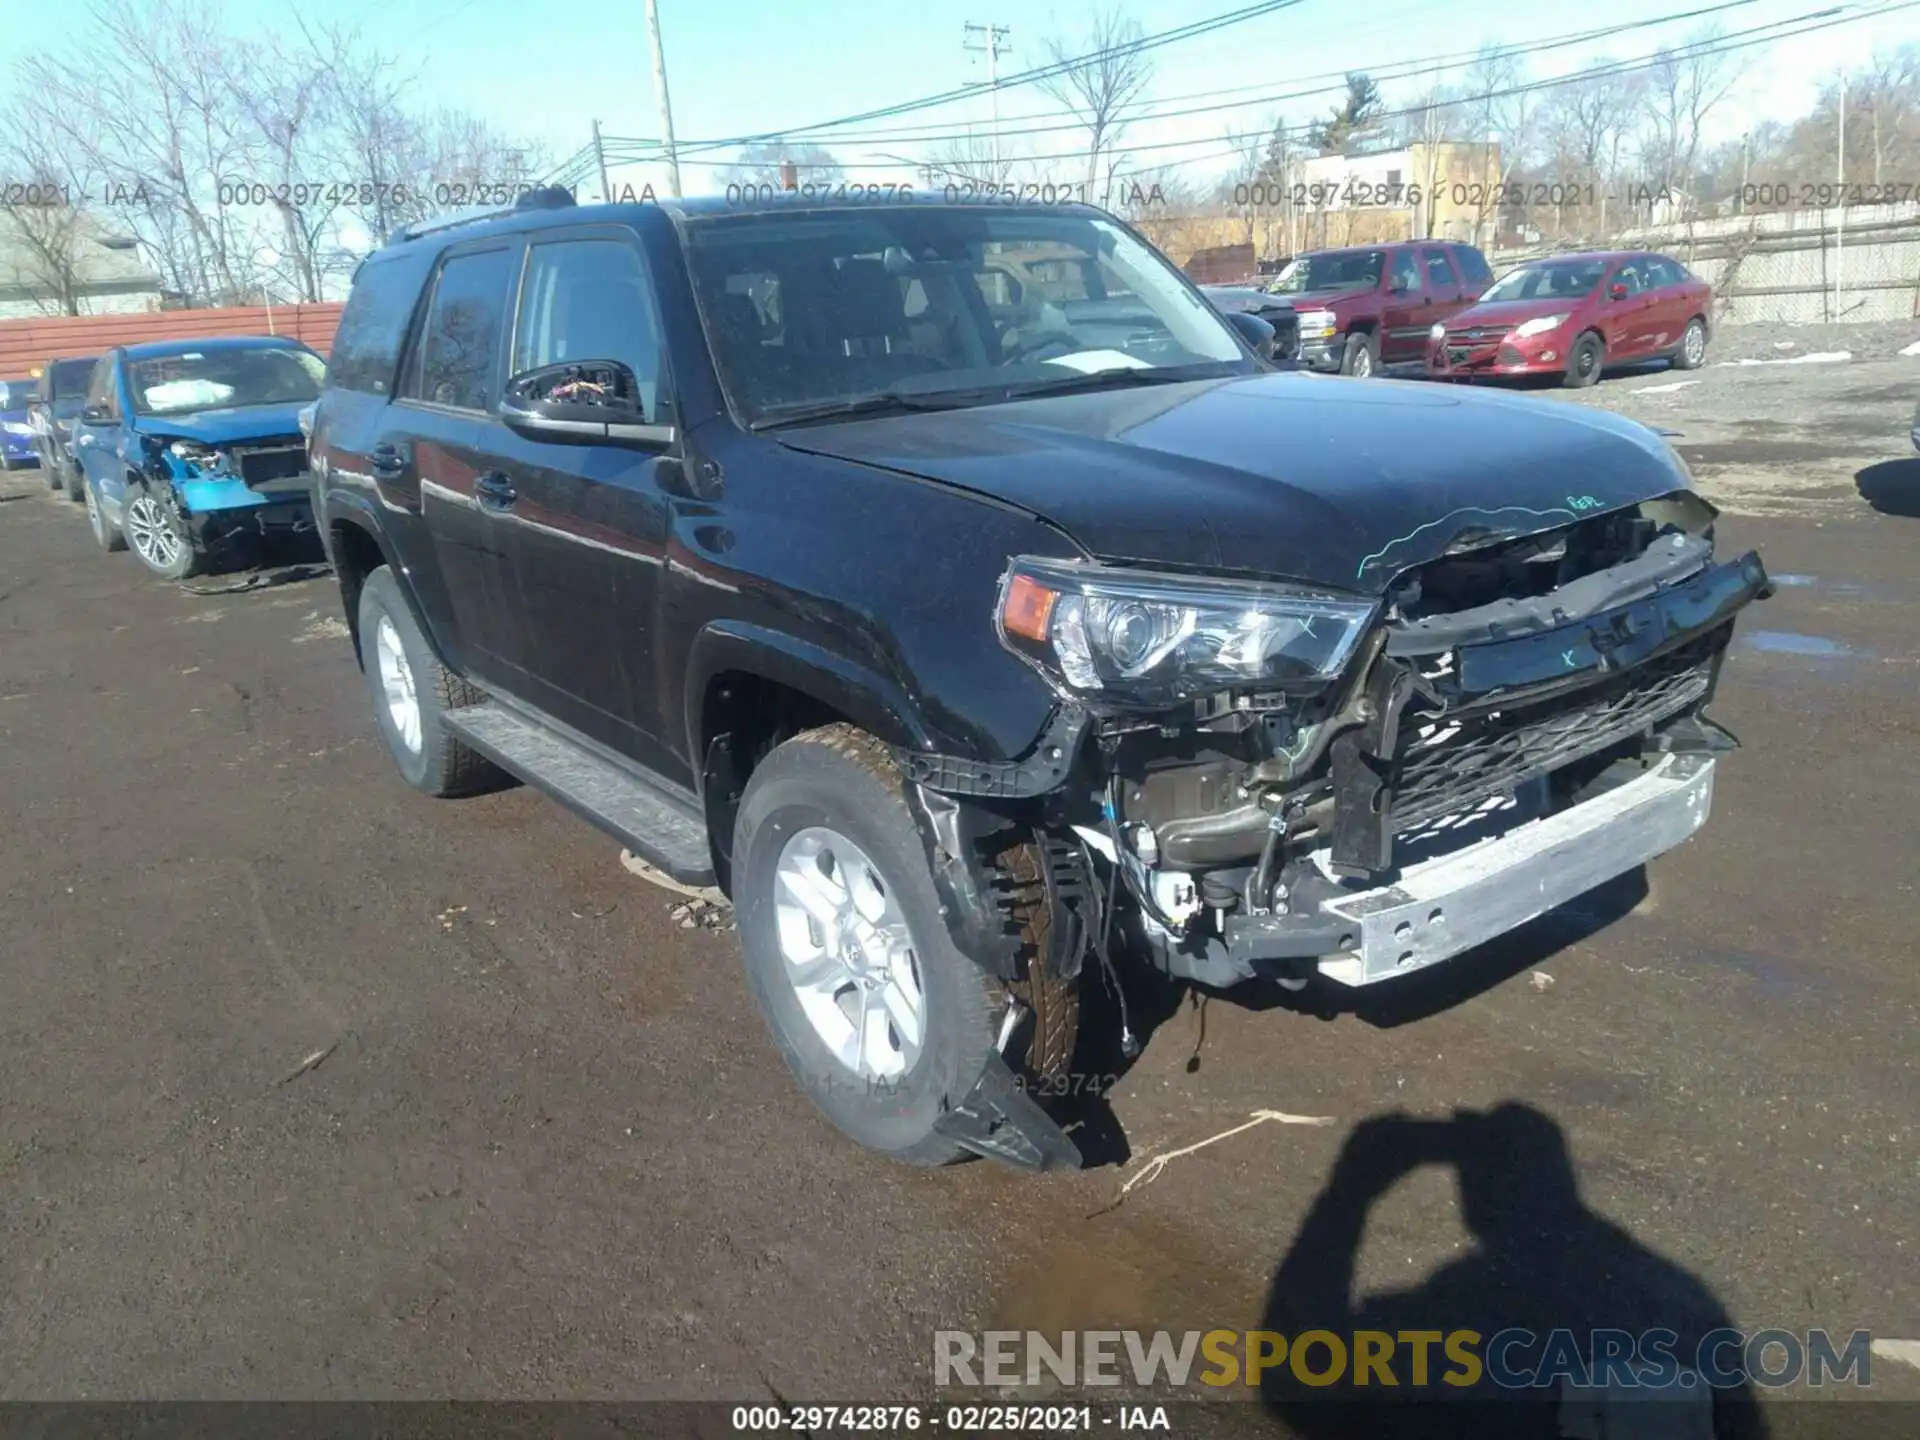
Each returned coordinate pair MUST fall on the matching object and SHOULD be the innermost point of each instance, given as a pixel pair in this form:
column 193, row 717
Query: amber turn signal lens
column 1027, row 608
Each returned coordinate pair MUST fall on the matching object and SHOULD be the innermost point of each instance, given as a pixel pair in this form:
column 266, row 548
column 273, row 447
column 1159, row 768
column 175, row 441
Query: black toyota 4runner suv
column 975, row 642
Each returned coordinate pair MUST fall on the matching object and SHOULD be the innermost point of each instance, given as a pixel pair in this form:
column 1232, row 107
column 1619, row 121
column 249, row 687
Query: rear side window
column 1439, row 271
column 366, row 347
column 100, row 390
column 1667, row 272
column 1472, row 264
column 453, row 363
column 588, row 300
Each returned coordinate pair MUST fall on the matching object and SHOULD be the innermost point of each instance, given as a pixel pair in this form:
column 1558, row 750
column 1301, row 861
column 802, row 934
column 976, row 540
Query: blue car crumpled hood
column 227, row 427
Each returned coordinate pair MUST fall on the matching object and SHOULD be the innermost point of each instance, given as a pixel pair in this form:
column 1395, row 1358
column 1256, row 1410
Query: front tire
column 158, row 535
column 74, row 478
column 1361, row 358
column 881, row 1019
column 1584, row 362
column 411, row 691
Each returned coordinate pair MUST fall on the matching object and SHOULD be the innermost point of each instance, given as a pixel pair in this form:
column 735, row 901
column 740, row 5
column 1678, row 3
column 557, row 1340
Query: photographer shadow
column 1541, row 1261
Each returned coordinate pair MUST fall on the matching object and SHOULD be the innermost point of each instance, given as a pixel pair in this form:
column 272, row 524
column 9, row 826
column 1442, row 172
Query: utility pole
column 666, row 105
column 600, row 158
column 1840, row 176
column 992, row 39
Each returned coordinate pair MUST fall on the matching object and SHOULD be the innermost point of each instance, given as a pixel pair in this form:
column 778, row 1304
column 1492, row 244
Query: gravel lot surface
column 546, row 1150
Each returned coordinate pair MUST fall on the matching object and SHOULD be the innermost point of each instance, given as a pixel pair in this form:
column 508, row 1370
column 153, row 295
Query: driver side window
column 1405, row 275
column 103, row 399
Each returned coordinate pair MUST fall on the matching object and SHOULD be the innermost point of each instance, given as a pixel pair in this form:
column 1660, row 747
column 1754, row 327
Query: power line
column 1042, row 72
column 1406, row 69
column 1827, row 18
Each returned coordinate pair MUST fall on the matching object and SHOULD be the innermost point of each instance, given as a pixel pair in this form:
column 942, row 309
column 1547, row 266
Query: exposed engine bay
column 1498, row 689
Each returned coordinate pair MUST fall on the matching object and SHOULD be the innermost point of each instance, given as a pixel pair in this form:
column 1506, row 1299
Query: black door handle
column 387, row 462
column 495, row 490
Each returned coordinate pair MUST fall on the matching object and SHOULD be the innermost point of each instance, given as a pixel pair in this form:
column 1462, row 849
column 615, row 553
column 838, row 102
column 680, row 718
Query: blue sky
column 739, row 66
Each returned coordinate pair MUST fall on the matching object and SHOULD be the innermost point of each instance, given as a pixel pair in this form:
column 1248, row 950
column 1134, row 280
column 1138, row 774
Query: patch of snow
column 1817, row 357
column 1913, row 349
column 1662, row 389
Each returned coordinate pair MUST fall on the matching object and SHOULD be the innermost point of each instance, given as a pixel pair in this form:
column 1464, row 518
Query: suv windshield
column 941, row 307
column 216, row 379
column 1335, row 270
column 1554, row 280
column 14, row 394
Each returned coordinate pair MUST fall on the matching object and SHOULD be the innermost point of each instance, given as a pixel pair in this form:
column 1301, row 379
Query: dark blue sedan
column 16, row 428
column 190, row 446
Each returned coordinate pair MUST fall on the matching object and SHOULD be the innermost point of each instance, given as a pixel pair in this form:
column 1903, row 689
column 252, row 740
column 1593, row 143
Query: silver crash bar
column 1438, row 908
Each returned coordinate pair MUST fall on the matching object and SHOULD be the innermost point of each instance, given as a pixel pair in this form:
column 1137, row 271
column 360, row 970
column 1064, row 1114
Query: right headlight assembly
column 1136, row 639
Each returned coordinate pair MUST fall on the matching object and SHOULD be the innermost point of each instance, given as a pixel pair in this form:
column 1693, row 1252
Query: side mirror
column 1256, row 332
column 1617, row 290
column 592, row 401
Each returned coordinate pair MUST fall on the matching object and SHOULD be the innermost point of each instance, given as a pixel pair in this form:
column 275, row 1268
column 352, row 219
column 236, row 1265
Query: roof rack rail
column 544, row 197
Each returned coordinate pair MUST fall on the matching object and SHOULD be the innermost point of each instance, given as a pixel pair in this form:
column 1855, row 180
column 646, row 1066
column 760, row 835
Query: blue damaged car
column 192, row 447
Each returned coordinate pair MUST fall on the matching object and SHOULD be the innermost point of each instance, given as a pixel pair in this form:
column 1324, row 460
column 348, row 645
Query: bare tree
column 972, row 159
column 48, row 227
column 152, row 112
column 1682, row 88
column 1096, row 81
column 762, row 163
column 1583, row 124
column 1423, row 127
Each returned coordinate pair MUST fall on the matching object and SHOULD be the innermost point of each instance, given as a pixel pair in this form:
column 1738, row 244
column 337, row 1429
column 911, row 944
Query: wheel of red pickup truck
column 411, row 690
column 1362, row 355
column 882, row 1020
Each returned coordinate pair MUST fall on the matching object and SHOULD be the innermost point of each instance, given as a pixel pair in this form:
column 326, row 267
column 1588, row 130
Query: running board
column 660, row 827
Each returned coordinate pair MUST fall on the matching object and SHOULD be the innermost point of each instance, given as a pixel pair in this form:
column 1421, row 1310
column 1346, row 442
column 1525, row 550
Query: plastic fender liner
column 952, row 833
column 1041, row 769
column 1001, row 1121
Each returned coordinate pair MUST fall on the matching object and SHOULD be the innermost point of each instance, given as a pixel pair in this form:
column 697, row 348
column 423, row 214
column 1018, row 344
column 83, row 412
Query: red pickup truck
column 1371, row 305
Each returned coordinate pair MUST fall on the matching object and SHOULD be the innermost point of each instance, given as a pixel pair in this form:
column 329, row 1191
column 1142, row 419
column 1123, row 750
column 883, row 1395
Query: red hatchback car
column 1574, row 315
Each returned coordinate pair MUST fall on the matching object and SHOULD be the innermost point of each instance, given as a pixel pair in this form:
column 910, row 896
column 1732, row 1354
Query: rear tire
column 105, row 533
column 411, row 690
column 1361, row 358
column 1692, row 353
column 879, row 1017
column 1584, row 362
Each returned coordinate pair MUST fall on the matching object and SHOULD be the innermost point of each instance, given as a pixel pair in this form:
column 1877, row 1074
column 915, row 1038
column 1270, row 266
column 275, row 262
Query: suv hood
column 1329, row 299
column 1332, row 482
column 228, row 426
column 1244, row 297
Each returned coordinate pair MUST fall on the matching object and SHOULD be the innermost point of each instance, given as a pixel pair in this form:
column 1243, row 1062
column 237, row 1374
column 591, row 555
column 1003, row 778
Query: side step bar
column 662, row 828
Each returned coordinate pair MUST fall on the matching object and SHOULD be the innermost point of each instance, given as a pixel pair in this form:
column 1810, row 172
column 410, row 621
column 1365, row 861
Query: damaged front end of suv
column 1284, row 781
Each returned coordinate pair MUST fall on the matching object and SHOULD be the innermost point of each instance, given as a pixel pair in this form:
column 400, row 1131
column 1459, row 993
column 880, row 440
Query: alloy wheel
column 1362, row 364
column 849, row 956
column 396, row 684
column 1696, row 345
column 152, row 533
column 95, row 518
